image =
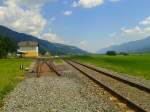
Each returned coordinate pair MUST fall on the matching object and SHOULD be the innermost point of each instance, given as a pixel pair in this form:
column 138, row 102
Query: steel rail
column 130, row 103
column 52, row 67
column 49, row 63
column 141, row 87
column 38, row 68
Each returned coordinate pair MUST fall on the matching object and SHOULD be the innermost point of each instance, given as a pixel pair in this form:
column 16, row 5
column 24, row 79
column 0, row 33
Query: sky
column 88, row 24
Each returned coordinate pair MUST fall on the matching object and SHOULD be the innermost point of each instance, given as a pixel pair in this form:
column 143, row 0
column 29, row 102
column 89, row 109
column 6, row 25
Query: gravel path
column 69, row 93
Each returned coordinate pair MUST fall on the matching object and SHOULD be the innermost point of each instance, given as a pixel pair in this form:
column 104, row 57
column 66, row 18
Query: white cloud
column 84, row 44
column 88, row 3
column 27, row 20
column 75, row 4
column 134, row 30
column 52, row 38
column 114, row 0
column 113, row 34
column 147, row 30
column 1, row 13
column 67, row 13
column 27, row 3
column 142, row 29
column 145, row 21
column 130, row 34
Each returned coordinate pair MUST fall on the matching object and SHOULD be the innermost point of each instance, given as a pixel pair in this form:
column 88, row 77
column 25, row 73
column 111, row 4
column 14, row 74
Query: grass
column 137, row 65
column 10, row 75
column 58, row 61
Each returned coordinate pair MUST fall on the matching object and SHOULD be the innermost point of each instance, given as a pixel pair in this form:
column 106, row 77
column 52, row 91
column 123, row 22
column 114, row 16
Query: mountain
column 139, row 46
column 53, row 48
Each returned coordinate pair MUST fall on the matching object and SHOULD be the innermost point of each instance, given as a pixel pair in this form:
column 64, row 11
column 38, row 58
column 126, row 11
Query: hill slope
column 139, row 46
column 53, row 48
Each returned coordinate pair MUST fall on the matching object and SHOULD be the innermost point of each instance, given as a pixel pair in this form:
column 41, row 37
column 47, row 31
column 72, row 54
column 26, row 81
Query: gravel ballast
column 139, row 97
column 67, row 93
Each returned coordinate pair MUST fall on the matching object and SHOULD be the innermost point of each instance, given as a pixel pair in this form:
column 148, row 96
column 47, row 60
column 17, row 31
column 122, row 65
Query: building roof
column 28, row 44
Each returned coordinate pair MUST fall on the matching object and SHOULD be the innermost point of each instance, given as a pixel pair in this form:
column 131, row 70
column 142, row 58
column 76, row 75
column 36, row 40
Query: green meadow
column 10, row 75
column 135, row 64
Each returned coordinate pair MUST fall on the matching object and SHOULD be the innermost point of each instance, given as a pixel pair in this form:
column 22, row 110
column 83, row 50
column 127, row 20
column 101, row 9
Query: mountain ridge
column 138, row 46
column 45, row 46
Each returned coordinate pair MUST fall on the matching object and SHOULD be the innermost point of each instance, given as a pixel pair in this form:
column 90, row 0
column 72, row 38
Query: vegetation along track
column 134, row 95
column 50, row 65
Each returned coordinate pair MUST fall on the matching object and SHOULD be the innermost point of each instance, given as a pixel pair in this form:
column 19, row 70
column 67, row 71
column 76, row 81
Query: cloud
column 113, row 34
column 1, row 13
column 67, row 13
column 28, row 3
column 114, row 0
column 145, row 21
column 52, row 38
column 75, row 4
column 88, row 3
column 134, row 30
column 147, row 30
column 142, row 28
column 125, row 34
column 25, row 20
column 84, row 44
column 25, row 16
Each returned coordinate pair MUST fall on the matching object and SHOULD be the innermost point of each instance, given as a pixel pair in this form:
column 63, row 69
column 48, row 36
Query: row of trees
column 114, row 53
column 7, row 45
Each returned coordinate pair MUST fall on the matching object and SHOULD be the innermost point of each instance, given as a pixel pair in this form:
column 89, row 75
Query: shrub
column 6, row 46
column 124, row 53
column 111, row 53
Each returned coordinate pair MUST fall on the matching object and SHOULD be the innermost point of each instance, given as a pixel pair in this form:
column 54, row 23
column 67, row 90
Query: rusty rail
column 38, row 69
column 51, row 65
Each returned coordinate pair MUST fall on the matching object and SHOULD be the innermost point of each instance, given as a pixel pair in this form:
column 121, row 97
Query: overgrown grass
column 10, row 75
column 137, row 65
column 58, row 61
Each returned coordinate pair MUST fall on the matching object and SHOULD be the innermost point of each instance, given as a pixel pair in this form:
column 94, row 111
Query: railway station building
column 28, row 49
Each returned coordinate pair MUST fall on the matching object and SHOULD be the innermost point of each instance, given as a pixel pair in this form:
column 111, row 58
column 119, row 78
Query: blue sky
column 88, row 24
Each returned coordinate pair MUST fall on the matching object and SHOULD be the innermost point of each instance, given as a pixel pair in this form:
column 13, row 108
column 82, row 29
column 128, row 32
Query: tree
column 124, row 53
column 3, row 53
column 7, row 45
column 111, row 53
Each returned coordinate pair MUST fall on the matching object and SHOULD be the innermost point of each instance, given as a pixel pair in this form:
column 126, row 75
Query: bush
column 124, row 53
column 6, row 46
column 3, row 53
column 111, row 53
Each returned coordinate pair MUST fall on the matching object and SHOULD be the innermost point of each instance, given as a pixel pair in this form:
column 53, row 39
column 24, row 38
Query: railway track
column 38, row 68
column 50, row 65
column 134, row 95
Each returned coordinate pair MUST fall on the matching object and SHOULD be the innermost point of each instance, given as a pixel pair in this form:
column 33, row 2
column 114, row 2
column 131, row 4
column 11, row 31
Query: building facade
column 28, row 49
